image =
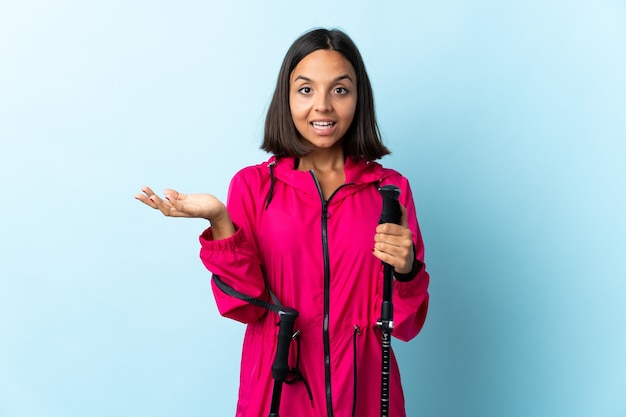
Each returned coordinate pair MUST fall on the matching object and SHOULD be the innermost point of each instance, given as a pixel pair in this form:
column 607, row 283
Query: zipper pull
column 325, row 210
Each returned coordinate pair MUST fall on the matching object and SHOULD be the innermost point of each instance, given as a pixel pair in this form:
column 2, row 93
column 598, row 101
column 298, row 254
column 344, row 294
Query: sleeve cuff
column 222, row 245
column 415, row 269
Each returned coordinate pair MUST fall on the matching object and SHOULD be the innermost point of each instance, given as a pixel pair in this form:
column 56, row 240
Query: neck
column 328, row 167
column 323, row 160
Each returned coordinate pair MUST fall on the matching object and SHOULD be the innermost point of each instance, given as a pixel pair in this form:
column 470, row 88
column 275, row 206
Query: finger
column 162, row 205
column 172, row 195
column 393, row 230
column 175, row 198
column 155, row 201
column 173, row 205
column 383, row 256
column 177, row 202
column 147, row 191
column 387, row 238
column 401, row 250
column 145, row 197
column 398, row 264
column 144, row 200
column 389, row 229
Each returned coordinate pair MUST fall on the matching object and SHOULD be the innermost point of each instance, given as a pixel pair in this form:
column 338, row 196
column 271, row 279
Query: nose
column 322, row 103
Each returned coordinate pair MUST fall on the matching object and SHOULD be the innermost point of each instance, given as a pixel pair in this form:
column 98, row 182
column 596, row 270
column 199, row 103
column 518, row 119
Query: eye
column 341, row 91
column 305, row 90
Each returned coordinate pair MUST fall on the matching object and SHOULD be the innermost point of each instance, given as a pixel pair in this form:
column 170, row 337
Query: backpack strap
column 275, row 306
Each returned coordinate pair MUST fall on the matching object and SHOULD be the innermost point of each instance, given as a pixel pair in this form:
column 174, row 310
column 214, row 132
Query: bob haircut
column 363, row 138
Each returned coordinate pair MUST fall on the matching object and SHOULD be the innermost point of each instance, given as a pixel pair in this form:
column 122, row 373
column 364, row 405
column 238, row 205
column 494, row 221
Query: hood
column 359, row 173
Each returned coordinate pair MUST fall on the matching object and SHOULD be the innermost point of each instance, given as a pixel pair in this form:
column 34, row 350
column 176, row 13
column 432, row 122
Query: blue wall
column 509, row 120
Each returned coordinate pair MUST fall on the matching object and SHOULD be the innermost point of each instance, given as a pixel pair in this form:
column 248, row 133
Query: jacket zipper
column 325, row 328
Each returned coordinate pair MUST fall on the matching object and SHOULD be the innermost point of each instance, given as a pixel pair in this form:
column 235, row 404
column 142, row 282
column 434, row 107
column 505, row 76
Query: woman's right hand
column 204, row 206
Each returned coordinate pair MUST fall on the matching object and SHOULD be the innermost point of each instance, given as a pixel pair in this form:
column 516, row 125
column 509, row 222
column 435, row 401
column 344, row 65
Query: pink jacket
column 318, row 259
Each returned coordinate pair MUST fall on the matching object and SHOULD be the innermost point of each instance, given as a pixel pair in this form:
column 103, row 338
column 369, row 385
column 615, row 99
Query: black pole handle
column 280, row 368
column 391, row 207
column 391, row 214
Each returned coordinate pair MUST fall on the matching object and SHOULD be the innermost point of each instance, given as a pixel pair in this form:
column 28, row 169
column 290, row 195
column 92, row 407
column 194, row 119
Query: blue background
column 509, row 119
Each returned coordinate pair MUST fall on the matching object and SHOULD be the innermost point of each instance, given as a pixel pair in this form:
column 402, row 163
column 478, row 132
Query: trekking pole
column 280, row 368
column 390, row 214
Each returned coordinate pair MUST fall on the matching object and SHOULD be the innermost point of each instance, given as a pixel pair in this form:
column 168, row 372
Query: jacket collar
column 358, row 172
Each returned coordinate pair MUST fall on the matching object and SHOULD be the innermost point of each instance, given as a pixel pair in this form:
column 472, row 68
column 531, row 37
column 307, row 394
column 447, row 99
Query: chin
column 323, row 143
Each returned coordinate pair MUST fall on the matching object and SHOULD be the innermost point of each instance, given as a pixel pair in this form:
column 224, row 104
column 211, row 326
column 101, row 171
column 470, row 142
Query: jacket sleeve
column 410, row 299
column 235, row 259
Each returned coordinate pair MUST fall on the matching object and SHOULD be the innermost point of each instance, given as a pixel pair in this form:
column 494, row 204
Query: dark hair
column 362, row 139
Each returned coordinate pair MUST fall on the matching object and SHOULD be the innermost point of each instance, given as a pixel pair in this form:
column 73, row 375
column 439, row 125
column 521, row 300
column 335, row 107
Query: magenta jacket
column 317, row 256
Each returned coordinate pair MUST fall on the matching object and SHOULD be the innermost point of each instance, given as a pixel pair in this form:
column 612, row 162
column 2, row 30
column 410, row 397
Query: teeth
column 323, row 124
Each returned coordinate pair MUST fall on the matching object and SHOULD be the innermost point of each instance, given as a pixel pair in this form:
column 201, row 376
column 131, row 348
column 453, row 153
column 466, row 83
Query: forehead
column 323, row 64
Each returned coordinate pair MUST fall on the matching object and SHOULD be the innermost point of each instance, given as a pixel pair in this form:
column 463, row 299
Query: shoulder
column 254, row 173
column 249, row 182
column 376, row 172
column 390, row 176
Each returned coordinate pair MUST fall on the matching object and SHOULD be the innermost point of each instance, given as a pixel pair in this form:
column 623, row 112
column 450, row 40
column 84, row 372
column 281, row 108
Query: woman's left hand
column 393, row 244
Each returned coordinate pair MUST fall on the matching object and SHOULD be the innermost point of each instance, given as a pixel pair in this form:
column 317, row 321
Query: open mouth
column 323, row 125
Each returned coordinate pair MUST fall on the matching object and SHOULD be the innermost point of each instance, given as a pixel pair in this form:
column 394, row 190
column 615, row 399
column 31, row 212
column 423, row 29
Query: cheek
column 292, row 102
column 296, row 109
column 348, row 112
column 293, row 105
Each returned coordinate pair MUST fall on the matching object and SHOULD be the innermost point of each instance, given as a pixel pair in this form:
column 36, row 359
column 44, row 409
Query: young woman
column 304, row 225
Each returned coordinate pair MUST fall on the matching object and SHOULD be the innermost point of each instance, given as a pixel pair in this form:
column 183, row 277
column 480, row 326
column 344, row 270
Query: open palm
column 176, row 204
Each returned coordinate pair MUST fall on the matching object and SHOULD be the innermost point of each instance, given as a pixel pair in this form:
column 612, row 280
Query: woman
column 304, row 224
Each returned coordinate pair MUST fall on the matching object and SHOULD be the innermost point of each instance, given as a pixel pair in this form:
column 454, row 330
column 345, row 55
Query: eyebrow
column 341, row 77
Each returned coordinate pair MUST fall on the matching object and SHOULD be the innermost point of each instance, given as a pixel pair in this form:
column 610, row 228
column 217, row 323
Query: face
column 323, row 97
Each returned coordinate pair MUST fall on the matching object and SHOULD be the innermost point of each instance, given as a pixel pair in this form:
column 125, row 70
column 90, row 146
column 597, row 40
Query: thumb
column 403, row 220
